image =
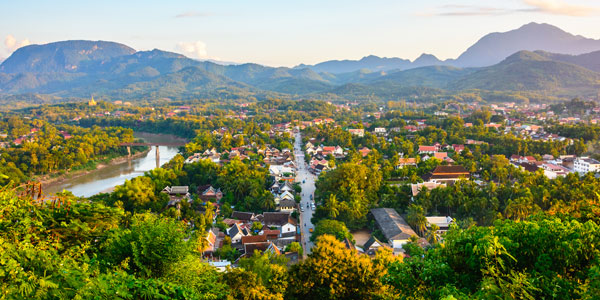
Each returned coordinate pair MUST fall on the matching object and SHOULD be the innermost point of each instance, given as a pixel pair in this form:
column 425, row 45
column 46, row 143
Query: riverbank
column 48, row 179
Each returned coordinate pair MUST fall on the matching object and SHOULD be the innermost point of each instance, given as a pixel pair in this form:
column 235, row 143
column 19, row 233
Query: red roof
column 251, row 239
column 427, row 148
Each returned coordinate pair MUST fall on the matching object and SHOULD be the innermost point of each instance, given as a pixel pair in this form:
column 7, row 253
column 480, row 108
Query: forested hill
column 86, row 68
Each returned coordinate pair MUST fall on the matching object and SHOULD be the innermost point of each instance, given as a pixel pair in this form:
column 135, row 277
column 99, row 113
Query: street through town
column 307, row 182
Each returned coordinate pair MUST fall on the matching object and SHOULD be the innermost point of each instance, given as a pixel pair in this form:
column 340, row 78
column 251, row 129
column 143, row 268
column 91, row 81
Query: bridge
column 171, row 144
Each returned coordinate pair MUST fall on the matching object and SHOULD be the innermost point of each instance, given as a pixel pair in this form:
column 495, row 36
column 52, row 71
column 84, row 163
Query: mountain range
column 537, row 58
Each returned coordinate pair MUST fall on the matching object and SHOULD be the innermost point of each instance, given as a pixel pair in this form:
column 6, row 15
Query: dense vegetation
column 517, row 234
column 35, row 147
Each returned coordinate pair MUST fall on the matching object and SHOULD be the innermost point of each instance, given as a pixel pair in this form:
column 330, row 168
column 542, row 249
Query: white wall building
column 585, row 164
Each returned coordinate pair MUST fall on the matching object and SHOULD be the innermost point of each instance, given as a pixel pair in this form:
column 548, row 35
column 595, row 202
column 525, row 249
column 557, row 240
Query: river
column 106, row 178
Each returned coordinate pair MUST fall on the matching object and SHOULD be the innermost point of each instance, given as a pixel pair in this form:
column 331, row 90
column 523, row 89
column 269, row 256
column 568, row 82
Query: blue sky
column 285, row 32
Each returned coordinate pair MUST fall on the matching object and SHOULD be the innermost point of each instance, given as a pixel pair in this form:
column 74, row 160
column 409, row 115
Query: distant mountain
column 67, row 56
column 426, row 60
column 587, row 60
column 84, row 68
column 489, row 50
column 494, row 47
column 431, row 76
column 372, row 62
column 529, row 71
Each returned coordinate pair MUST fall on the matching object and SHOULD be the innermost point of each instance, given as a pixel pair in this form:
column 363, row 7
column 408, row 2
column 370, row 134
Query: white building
column 583, row 165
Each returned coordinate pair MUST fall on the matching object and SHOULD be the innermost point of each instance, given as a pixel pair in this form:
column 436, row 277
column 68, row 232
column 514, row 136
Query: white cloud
column 195, row 49
column 11, row 43
column 561, row 7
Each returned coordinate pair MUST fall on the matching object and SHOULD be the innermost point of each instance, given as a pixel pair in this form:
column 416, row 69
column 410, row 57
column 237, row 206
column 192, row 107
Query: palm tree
column 266, row 201
column 432, row 235
column 332, row 205
column 518, row 209
column 416, row 218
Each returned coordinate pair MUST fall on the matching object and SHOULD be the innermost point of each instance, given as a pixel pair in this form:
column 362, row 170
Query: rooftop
column 392, row 224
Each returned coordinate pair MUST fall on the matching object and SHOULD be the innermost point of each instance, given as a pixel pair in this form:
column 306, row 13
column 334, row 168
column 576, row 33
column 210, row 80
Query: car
column 312, row 205
column 310, row 230
column 310, row 196
column 303, row 181
column 301, row 209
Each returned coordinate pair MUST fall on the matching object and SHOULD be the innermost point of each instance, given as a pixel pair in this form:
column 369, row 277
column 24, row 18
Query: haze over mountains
column 562, row 64
column 489, row 50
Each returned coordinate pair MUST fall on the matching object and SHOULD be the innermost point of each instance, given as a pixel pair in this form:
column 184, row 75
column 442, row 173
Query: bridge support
column 157, row 158
column 129, row 151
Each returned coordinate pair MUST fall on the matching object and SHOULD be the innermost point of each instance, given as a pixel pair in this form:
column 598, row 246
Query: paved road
column 308, row 189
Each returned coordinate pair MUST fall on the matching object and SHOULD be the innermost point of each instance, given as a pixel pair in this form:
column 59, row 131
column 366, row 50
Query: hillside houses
column 279, row 230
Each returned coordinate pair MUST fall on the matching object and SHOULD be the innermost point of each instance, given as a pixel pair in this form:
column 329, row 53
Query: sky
column 287, row 32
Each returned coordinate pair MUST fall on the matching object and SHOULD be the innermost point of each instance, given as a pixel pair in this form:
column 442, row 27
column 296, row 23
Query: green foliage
column 355, row 187
column 333, row 228
column 151, row 243
column 527, row 260
column 334, row 272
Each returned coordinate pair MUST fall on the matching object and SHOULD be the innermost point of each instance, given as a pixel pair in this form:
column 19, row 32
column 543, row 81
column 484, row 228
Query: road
column 308, row 189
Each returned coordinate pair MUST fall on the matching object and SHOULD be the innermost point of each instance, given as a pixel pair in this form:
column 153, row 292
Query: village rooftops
column 176, row 190
column 251, row 239
column 449, row 173
column 392, row 225
column 241, row 215
column 276, row 218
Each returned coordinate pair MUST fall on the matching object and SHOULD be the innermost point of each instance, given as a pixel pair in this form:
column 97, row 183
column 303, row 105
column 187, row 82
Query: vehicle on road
column 303, row 181
column 301, row 209
column 312, row 206
column 310, row 230
column 311, row 197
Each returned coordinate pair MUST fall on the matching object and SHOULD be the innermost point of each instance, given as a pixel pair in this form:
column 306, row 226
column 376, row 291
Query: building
column 357, row 132
column 393, row 227
column 583, row 165
column 372, row 245
column 448, row 174
column 408, row 161
column 380, row 130
column 236, row 232
column 176, row 194
column 442, row 222
column 280, row 220
column 416, row 188
column 243, row 216
column 209, row 193
column 286, row 205
column 427, row 149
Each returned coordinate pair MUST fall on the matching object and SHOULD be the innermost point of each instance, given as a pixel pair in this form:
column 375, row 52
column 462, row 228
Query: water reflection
column 106, row 178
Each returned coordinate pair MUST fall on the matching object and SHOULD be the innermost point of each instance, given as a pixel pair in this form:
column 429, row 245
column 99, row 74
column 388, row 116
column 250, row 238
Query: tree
column 136, row 194
column 151, row 243
column 416, row 218
column 432, row 235
column 333, row 272
column 333, row 228
column 331, row 205
column 294, row 247
column 265, row 275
